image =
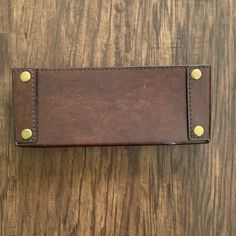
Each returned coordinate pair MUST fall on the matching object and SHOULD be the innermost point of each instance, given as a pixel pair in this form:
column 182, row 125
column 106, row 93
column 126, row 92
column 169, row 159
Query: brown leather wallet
column 112, row 106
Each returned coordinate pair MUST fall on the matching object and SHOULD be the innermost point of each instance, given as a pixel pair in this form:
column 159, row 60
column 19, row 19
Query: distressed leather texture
column 112, row 106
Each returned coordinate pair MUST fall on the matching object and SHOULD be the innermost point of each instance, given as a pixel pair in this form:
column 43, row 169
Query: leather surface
column 112, row 106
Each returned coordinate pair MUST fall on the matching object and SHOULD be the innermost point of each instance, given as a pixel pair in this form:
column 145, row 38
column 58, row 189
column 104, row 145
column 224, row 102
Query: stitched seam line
column 190, row 103
column 113, row 68
column 34, row 109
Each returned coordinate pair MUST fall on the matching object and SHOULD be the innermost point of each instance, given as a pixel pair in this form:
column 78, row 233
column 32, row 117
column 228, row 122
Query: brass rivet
column 196, row 74
column 26, row 134
column 198, row 131
column 25, row 76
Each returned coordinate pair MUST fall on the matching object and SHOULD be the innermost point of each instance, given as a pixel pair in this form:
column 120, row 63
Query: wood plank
column 5, row 16
column 8, row 174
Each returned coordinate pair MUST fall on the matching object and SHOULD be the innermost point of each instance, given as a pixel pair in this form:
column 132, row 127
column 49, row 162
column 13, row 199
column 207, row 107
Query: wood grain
column 166, row 190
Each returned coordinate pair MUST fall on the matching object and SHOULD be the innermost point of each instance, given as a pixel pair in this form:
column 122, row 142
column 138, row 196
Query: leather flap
column 25, row 105
column 199, row 102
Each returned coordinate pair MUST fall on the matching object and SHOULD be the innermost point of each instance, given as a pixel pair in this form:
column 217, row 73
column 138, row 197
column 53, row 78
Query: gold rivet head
column 198, row 131
column 26, row 134
column 196, row 74
column 25, row 76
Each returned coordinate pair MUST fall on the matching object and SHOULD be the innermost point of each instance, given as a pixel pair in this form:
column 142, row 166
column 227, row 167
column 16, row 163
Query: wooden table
column 165, row 190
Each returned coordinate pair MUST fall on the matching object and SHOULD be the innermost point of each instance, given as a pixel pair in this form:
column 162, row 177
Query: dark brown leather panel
column 111, row 106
